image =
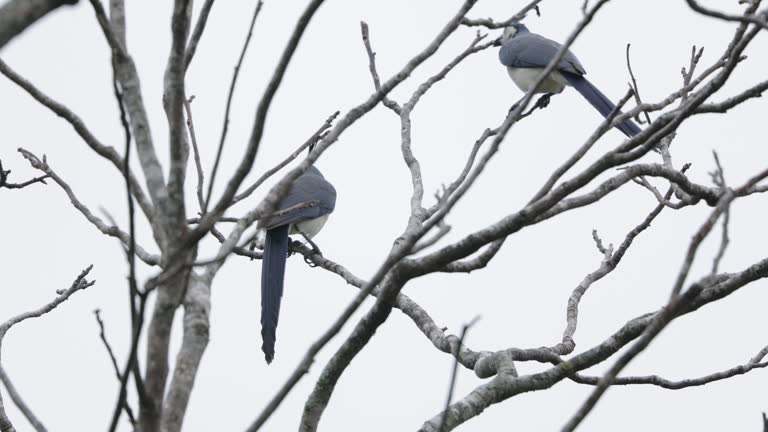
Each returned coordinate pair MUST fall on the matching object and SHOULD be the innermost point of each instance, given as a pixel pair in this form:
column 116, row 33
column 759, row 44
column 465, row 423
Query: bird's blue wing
column 529, row 50
column 310, row 186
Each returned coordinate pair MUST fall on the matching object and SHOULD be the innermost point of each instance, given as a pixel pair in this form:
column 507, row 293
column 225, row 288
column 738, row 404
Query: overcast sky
column 400, row 379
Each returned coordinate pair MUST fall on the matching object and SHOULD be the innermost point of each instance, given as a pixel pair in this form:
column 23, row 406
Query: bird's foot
column 293, row 247
column 315, row 251
column 543, row 101
column 308, row 260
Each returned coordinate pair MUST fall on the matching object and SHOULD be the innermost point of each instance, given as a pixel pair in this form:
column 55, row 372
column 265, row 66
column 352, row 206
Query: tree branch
column 111, row 231
column 20, row 404
column 507, row 385
column 233, row 83
column 173, row 102
column 197, row 306
column 113, row 360
column 746, row 18
column 196, row 153
column 80, row 283
column 62, row 111
column 17, row 15
column 197, row 33
column 491, row 24
column 4, row 180
column 134, row 105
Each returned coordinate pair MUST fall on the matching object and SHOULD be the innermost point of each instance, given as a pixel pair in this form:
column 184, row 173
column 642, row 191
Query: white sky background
column 399, row 380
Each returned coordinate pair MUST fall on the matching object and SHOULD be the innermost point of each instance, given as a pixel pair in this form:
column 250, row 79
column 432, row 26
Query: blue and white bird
column 526, row 54
column 305, row 220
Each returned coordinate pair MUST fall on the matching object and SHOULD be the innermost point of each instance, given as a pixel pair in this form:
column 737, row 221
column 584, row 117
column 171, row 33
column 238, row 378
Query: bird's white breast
column 525, row 78
column 311, row 227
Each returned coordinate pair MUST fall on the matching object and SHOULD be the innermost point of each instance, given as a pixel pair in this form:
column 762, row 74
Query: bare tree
column 163, row 384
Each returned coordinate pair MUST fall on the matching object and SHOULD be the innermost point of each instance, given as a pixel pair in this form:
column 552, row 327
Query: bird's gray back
column 529, row 50
column 310, row 186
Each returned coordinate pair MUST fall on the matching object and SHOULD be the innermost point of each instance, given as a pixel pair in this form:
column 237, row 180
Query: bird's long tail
column 599, row 101
column 272, row 276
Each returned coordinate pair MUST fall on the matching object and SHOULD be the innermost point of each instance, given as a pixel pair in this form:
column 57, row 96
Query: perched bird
column 304, row 211
column 526, row 54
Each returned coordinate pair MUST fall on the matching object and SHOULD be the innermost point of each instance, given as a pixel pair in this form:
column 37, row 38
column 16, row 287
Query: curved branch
column 4, row 180
column 446, row 343
column 80, row 283
column 658, row 381
column 17, row 15
column 504, row 386
column 491, row 24
column 111, row 231
column 611, row 261
column 76, row 122
column 746, row 18
column 20, row 404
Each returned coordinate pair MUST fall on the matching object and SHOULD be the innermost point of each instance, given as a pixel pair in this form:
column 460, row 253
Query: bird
column 304, row 210
column 526, row 54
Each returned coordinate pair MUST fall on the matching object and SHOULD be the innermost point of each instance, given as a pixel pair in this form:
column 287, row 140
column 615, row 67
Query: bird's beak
column 497, row 41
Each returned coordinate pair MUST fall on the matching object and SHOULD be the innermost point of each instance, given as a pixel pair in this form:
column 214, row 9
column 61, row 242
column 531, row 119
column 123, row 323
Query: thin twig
column 20, row 404
column 80, row 283
column 196, row 152
column 82, row 130
column 113, row 360
column 642, row 181
column 111, row 231
column 319, row 133
column 664, row 383
column 610, row 262
column 491, row 24
column 746, row 18
column 130, row 363
column 702, row 233
column 636, row 90
column 4, row 180
column 455, row 370
column 718, row 178
column 389, row 103
column 442, row 230
column 197, row 33
column 133, row 292
column 225, row 126
column 664, row 317
column 688, row 74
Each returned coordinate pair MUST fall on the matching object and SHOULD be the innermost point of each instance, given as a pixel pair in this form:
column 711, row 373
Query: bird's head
column 513, row 30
